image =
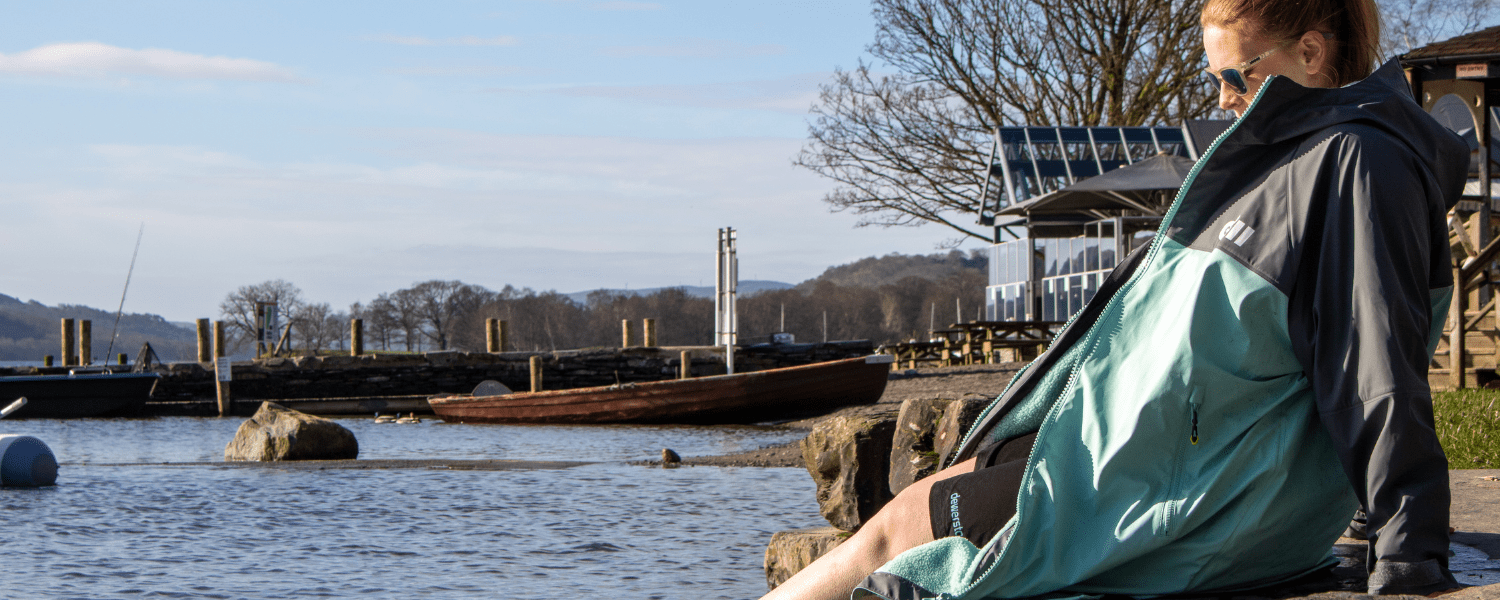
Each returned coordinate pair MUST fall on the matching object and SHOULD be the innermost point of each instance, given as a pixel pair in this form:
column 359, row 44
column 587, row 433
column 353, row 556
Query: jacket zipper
column 1093, row 334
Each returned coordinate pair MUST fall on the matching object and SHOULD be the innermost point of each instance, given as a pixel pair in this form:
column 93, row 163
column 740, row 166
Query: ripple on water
column 215, row 532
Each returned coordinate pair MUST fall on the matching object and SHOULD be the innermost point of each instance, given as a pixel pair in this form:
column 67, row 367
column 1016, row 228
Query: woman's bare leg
column 901, row 525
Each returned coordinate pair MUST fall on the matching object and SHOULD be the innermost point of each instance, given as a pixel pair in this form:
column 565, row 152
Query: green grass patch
column 1468, row 425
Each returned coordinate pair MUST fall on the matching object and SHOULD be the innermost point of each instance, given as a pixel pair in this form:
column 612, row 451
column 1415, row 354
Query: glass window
column 1092, row 256
column 1075, row 294
column 1091, row 286
column 1049, row 300
column 1050, row 251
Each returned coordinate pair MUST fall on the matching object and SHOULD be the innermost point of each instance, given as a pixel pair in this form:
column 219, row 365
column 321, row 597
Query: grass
column 1468, row 425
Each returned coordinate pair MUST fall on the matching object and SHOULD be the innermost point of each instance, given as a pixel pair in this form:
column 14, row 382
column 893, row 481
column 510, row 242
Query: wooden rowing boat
column 740, row 398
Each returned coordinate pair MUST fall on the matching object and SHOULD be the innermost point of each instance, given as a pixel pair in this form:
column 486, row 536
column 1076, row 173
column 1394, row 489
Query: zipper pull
column 1194, row 436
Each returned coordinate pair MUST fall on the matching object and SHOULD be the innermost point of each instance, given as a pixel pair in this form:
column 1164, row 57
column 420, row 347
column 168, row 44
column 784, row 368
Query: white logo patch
column 1237, row 232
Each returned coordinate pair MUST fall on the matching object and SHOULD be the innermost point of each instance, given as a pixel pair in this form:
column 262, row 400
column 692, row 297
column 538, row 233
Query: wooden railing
column 976, row 342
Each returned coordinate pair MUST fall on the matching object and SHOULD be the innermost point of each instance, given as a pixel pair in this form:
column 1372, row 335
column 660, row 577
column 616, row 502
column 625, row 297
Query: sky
column 355, row 148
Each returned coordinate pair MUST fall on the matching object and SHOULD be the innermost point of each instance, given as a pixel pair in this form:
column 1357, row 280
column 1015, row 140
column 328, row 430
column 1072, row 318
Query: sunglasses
column 1234, row 75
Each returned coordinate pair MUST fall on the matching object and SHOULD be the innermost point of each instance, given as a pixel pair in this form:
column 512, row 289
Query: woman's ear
column 1313, row 50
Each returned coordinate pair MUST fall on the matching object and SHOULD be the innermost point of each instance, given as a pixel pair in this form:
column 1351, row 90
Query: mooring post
column 205, row 353
column 218, row 340
column 47, row 360
column 492, row 335
column 222, row 377
column 649, row 325
column 356, row 337
column 69, row 351
column 85, row 342
column 501, row 333
column 625, row 333
column 122, row 358
column 687, row 366
column 536, row 374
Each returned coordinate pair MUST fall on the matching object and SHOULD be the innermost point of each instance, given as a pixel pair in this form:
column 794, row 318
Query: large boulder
column 279, row 433
column 849, row 458
column 791, row 551
column 913, row 455
column 957, row 418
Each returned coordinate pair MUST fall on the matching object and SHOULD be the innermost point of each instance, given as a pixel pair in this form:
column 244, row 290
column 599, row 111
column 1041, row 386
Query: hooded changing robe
column 1211, row 420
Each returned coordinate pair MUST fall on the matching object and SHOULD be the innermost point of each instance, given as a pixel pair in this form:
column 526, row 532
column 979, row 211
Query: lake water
column 121, row 525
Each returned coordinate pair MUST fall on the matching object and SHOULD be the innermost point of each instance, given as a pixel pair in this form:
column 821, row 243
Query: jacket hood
column 1286, row 110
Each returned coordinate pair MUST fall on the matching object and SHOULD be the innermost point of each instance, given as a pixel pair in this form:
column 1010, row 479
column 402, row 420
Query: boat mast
column 116, row 329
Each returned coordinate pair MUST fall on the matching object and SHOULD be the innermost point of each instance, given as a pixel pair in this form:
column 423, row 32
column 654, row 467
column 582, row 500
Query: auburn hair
column 1351, row 27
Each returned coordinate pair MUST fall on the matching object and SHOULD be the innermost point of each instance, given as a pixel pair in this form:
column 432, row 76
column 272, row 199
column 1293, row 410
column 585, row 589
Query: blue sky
column 354, row 148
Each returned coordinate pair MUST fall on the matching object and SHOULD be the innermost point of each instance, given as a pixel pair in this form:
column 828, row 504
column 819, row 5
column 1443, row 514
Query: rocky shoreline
column 949, row 382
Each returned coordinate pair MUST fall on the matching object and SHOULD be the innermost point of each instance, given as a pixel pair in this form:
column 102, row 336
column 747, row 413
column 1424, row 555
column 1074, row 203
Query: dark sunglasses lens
column 1235, row 80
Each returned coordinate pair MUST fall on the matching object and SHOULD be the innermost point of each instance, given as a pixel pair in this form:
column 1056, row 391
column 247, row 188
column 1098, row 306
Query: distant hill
column 746, row 288
column 31, row 330
column 881, row 270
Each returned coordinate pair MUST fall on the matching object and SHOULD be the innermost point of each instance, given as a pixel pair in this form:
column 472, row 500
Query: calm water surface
column 118, row 527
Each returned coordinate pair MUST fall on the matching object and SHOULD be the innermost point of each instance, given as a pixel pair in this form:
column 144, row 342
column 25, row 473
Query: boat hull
column 740, row 398
column 77, row 396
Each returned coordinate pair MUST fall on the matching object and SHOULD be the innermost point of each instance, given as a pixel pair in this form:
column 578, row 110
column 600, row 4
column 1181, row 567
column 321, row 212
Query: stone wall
column 458, row 372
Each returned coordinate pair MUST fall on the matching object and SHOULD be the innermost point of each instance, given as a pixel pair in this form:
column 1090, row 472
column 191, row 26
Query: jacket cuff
column 1415, row 578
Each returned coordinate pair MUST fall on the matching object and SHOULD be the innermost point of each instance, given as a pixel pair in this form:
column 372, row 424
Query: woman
column 1234, row 392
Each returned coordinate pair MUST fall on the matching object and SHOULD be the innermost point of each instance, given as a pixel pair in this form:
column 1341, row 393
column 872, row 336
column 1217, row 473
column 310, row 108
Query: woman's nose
column 1228, row 100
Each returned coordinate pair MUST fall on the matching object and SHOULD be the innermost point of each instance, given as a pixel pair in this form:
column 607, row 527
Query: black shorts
column 976, row 505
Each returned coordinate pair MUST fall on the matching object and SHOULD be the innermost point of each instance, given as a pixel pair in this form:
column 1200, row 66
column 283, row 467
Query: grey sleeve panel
column 1360, row 320
column 890, row 587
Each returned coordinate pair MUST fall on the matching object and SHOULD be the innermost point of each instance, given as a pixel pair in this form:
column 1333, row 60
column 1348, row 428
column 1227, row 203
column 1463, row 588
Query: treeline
column 886, row 299
column 31, row 330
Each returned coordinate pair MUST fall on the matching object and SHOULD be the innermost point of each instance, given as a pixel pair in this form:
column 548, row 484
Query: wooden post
column 122, row 358
column 222, row 377
column 218, row 340
column 649, row 325
column 205, row 352
column 1456, row 332
column 69, row 351
column 501, row 333
column 356, row 337
column 687, row 365
column 625, row 333
column 536, row 374
column 492, row 335
column 47, row 360
column 85, row 342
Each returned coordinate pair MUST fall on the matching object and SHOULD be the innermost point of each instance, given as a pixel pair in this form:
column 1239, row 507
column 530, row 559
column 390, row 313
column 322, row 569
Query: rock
column 849, row 459
column 958, row 417
column 669, row 457
column 278, row 433
column 912, row 452
column 791, row 551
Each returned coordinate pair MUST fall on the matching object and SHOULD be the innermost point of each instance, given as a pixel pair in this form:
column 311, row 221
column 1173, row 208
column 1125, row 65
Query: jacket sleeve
column 1362, row 314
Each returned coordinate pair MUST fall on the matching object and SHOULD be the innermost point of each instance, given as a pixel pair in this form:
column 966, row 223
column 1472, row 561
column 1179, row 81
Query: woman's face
column 1299, row 59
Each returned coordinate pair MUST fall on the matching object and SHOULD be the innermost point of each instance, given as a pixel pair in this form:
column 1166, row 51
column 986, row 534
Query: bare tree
column 382, row 324
column 1411, row 24
column 318, row 326
column 909, row 147
column 238, row 308
column 438, row 304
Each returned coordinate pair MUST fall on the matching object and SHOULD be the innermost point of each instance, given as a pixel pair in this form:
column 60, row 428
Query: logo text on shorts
column 958, row 528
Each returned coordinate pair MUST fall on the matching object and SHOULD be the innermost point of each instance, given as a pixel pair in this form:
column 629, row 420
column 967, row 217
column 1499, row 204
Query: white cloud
column 697, row 48
column 467, row 40
column 460, row 70
column 793, row 94
column 93, row 59
column 625, row 6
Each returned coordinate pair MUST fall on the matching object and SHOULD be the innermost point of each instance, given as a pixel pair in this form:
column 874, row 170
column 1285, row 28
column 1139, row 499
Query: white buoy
column 26, row 462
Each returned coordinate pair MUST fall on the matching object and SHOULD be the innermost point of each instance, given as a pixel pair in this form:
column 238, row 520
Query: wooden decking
column 1469, row 335
column 976, row 342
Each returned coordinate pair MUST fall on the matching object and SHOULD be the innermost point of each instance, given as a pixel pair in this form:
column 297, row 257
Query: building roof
column 1484, row 41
